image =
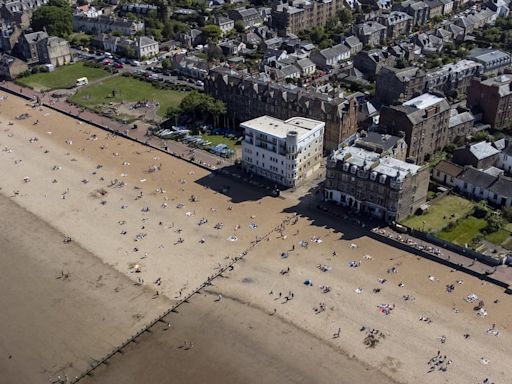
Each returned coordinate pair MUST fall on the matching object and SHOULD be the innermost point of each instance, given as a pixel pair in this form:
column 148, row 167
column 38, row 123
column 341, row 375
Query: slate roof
column 483, row 150
column 502, row 186
column 449, row 168
column 335, row 51
column 476, row 178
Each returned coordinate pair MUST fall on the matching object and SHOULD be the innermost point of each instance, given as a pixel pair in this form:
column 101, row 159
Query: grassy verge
column 126, row 89
column 62, row 77
column 219, row 139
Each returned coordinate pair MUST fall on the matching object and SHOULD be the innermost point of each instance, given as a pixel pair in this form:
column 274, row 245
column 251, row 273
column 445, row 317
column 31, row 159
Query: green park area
column 120, row 89
column 463, row 222
column 220, row 139
column 62, row 77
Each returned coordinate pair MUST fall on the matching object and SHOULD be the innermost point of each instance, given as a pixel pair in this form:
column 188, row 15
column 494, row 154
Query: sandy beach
column 154, row 228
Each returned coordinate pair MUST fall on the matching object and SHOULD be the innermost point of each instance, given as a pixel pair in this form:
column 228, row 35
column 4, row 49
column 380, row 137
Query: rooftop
column 369, row 160
column 424, row 101
column 449, row 168
column 483, row 150
column 280, row 128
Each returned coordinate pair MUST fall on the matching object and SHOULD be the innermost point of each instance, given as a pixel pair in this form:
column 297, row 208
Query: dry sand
column 70, row 153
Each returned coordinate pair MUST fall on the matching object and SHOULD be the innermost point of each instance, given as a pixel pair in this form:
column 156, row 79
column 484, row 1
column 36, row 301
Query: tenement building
column 451, row 78
column 296, row 15
column 424, row 120
column 287, row 152
column 492, row 97
column 380, row 185
column 394, row 84
column 248, row 97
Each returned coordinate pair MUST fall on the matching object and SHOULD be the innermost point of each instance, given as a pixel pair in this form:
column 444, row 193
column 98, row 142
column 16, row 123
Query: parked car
column 118, row 65
column 199, row 83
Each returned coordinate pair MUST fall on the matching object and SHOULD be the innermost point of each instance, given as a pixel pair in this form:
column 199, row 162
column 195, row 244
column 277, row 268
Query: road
column 128, row 68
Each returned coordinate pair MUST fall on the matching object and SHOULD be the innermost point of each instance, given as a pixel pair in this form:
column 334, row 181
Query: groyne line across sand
column 206, row 283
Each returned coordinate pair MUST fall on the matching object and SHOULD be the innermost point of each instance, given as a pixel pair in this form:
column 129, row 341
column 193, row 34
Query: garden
column 465, row 223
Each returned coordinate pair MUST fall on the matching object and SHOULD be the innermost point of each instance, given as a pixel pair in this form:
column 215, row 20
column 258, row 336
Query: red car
column 107, row 62
column 118, row 65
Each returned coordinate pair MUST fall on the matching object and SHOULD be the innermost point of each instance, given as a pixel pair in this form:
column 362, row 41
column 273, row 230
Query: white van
column 82, row 81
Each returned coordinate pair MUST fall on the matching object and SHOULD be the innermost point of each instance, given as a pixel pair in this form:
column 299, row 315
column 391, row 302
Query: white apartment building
column 287, row 152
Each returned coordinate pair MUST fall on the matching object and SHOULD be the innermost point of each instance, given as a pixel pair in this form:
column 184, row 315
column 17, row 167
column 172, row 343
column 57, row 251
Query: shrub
column 495, row 222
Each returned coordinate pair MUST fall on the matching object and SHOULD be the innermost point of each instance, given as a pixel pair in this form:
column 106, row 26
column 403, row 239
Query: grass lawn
column 440, row 214
column 62, row 77
column 219, row 139
column 464, row 232
column 498, row 237
column 128, row 89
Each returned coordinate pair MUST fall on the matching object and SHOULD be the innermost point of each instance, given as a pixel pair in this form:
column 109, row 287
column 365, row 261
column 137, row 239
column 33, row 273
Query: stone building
column 249, row 16
column 395, row 84
column 224, row 23
column 371, row 33
column 493, row 60
column 480, row 155
column 329, row 58
column 106, row 24
column 376, row 184
column 11, row 67
column 383, row 144
column 424, row 120
column 418, row 10
column 54, row 50
column 297, row 15
column 397, row 24
column 287, row 152
column 454, row 77
column 248, row 97
column 492, row 97
column 27, row 46
column 371, row 62
column 460, row 126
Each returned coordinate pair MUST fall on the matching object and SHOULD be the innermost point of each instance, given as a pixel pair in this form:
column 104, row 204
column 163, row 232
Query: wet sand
column 88, row 185
column 230, row 342
column 61, row 306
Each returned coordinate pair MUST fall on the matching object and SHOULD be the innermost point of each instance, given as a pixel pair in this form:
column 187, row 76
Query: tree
column 201, row 105
column 56, row 17
column 216, row 108
column 494, row 223
column 167, row 64
column 173, row 112
column 239, row 26
column 345, row 16
column 211, row 32
column 214, row 53
column 128, row 51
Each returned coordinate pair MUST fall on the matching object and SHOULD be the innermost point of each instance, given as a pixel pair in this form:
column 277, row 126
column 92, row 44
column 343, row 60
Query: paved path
column 175, row 148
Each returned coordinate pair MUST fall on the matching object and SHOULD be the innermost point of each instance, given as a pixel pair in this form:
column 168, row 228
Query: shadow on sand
column 232, row 182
